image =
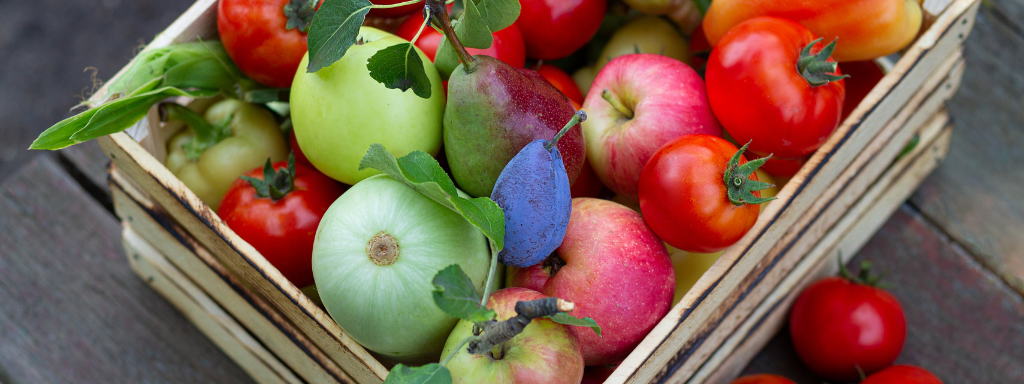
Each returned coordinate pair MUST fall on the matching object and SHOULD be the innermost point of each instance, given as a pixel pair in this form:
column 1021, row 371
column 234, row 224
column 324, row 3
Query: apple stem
column 439, row 15
column 497, row 332
column 616, row 103
column 579, row 117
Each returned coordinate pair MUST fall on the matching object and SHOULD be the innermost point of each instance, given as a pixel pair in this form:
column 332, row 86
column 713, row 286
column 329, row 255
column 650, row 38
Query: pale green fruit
column 382, row 298
column 648, row 34
column 339, row 111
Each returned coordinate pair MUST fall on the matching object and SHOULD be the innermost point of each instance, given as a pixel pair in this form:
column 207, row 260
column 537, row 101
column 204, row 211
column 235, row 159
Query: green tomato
column 338, row 111
column 376, row 252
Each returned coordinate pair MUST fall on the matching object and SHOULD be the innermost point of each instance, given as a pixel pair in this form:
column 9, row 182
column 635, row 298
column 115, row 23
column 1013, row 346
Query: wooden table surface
column 72, row 311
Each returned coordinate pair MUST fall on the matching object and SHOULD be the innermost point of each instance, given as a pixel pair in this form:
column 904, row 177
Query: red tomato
column 562, row 81
column 787, row 168
column 300, row 158
column 902, row 374
column 684, row 199
column 864, row 75
column 254, row 35
column 763, row 378
column 838, row 325
column 282, row 230
column 507, row 45
column 758, row 94
column 587, row 184
column 700, row 48
column 394, row 12
column 553, row 29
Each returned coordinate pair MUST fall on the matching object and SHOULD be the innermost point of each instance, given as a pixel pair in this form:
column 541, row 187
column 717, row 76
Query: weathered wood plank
column 975, row 197
column 72, row 310
column 964, row 323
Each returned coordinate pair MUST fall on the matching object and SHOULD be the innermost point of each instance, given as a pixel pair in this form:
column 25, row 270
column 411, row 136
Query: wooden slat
column 252, row 311
column 207, row 317
column 846, row 237
column 672, row 341
column 833, row 204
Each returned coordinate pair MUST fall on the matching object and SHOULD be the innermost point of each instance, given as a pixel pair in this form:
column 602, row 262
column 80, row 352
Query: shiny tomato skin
column 787, row 168
column 902, row 374
column 864, row 75
column 562, row 81
column 757, row 94
column 763, row 378
column 554, row 29
column 254, row 35
column 394, row 12
column 837, row 325
column 507, row 45
column 684, row 199
column 282, row 231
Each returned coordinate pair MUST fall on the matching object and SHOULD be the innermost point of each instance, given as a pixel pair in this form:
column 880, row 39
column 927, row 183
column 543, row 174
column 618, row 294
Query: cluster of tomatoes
column 848, row 329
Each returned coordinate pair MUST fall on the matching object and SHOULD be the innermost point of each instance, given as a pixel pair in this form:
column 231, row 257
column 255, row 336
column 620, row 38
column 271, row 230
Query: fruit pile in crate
column 408, row 191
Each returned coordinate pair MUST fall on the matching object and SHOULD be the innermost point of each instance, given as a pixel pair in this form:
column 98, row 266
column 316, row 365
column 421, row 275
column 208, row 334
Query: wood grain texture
column 964, row 323
column 72, row 309
column 976, row 196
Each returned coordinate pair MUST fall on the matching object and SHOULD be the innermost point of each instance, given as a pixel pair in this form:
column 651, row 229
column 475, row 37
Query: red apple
column 650, row 100
column 507, row 44
column 615, row 269
column 546, row 352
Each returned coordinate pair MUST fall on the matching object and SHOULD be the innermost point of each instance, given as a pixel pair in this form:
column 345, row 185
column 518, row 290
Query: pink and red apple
column 650, row 100
column 615, row 269
column 546, row 352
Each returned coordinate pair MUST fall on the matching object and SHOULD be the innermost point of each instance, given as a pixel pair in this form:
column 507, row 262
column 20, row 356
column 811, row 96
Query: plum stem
column 579, row 117
column 616, row 103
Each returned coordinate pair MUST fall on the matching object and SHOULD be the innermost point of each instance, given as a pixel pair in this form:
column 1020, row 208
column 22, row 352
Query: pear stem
column 616, row 103
column 439, row 15
column 578, row 117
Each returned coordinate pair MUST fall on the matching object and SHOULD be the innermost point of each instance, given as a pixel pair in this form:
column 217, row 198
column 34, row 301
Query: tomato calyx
column 816, row 68
column 300, row 14
column 863, row 278
column 740, row 188
column 207, row 134
column 276, row 184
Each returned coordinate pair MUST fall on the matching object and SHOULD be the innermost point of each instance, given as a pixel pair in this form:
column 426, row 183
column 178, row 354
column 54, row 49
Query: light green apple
column 339, row 111
column 648, row 34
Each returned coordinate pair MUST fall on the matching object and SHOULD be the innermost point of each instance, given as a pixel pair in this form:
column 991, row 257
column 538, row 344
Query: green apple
column 648, row 34
column 376, row 252
column 338, row 111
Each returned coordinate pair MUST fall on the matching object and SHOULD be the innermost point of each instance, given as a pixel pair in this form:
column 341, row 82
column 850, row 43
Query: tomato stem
column 616, row 103
column 864, row 277
column 300, row 14
column 207, row 134
column 438, row 13
column 276, row 184
column 739, row 187
column 816, row 68
column 578, row 117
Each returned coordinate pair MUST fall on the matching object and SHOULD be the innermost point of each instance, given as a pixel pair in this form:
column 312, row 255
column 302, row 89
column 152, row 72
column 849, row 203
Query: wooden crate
column 837, row 200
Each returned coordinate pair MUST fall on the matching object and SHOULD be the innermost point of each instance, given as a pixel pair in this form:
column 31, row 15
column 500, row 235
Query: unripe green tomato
column 374, row 259
column 339, row 111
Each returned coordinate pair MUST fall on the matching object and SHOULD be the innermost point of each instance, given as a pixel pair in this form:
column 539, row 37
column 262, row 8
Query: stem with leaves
column 439, row 16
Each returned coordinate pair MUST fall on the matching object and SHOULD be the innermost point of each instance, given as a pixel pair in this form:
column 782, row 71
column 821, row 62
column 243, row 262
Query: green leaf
column 471, row 28
column 702, row 6
column 400, row 67
column 446, row 59
column 334, row 30
column 433, row 373
column 422, row 173
column 455, row 294
column 200, row 64
column 498, row 14
column 567, row 319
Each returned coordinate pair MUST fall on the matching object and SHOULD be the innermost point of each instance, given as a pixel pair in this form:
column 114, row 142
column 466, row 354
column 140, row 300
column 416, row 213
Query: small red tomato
column 840, row 324
column 255, row 35
column 700, row 49
column 787, row 168
column 864, row 75
column 300, row 158
column 685, row 200
column 562, row 81
column 758, row 91
column 281, row 228
column 506, row 46
column 763, row 378
column 394, row 12
column 902, row 374
column 554, row 29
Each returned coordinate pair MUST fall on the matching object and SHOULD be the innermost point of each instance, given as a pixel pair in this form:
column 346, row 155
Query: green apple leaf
column 422, row 173
column 455, row 294
column 471, row 28
column 334, row 30
column 433, row 373
column 446, row 59
column 498, row 14
column 567, row 319
column 400, row 67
